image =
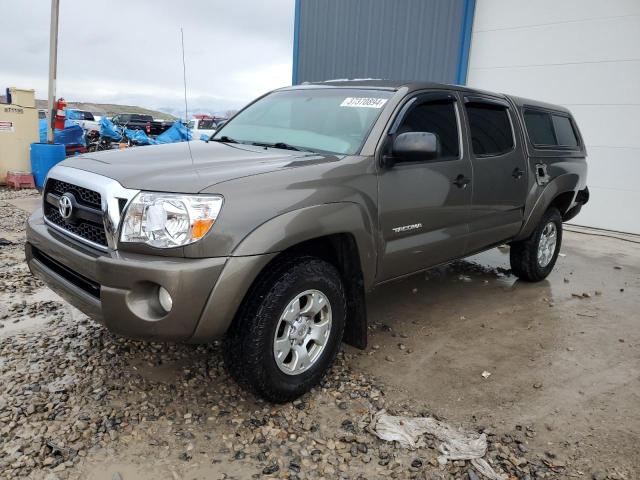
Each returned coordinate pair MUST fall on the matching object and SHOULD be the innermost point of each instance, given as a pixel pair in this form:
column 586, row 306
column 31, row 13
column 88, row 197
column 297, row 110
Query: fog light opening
column 166, row 302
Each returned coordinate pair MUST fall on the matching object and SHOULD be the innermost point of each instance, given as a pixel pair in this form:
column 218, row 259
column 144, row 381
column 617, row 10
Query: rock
column 472, row 475
column 416, row 463
column 599, row 475
column 270, row 469
column 117, row 476
column 81, row 425
column 389, row 358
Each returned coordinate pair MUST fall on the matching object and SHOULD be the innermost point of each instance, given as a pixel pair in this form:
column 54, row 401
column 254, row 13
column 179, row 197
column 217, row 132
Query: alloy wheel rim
column 547, row 244
column 302, row 332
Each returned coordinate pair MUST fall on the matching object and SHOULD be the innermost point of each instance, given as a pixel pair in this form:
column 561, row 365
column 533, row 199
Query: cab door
column 423, row 204
column 499, row 171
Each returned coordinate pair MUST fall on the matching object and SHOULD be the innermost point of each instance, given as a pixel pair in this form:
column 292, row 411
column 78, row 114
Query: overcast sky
column 129, row 52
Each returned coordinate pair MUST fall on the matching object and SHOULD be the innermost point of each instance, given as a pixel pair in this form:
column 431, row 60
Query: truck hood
column 175, row 168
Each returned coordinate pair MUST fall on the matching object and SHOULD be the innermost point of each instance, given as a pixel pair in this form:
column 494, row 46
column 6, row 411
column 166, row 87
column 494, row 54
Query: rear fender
column 545, row 196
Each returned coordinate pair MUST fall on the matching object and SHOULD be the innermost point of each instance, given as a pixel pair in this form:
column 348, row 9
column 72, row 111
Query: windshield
column 333, row 120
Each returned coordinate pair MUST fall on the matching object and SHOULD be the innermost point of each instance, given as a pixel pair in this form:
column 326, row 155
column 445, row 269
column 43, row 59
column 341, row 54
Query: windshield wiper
column 225, row 139
column 281, row 145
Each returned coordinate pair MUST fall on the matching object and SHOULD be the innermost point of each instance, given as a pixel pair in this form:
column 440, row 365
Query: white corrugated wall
column 585, row 55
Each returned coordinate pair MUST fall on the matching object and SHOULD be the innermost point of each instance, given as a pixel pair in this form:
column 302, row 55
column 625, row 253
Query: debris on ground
column 454, row 444
column 485, row 374
column 74, row 397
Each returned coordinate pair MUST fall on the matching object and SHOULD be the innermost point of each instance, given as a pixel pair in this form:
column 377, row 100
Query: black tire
column 524, row 254
column 248, row 347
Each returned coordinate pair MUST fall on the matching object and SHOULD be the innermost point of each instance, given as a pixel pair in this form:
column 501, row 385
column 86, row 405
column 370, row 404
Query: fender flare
column 297, row 226
column 559, row 185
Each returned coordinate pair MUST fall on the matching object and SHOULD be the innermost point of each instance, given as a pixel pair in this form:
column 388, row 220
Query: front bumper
column 120, row 289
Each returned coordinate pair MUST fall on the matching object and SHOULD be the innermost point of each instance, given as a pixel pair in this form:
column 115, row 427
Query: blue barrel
column 43, row 157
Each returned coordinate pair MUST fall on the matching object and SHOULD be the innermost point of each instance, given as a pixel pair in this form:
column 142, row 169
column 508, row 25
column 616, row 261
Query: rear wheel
column 289, row 329
column 533, row 259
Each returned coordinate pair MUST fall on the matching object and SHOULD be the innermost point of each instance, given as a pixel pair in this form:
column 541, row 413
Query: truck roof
column 394, row 85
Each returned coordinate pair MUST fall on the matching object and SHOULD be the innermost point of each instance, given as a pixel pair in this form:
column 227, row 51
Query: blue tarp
column 71, row 135
column 139, row 137
column 176, row 133
column 109, row 130
column 73, row 115
column 74, row 135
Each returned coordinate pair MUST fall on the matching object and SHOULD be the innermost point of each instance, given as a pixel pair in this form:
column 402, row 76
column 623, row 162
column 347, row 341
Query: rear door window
column 491, row 132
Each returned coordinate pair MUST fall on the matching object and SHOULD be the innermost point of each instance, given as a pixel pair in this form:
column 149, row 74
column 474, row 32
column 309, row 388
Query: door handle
column 517, row 173
column 461, row 181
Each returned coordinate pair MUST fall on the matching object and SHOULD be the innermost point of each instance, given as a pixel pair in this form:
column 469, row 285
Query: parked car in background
column 272, row 233
column 140, row 121
column 83, row 118
column 201, row 126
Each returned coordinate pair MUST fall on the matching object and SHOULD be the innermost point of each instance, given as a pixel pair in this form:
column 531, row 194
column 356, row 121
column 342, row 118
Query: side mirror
column 416, row 146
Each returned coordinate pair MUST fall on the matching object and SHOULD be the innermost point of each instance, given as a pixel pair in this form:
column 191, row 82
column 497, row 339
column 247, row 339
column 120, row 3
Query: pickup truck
column 200, row 127
column 271, row 234
column 138, row 121
column 84, row 119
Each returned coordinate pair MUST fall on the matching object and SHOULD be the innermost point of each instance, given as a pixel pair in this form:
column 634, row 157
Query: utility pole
column 53, row 65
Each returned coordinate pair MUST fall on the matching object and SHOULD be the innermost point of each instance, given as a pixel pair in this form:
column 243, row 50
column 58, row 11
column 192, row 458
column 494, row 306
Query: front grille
column 92, row 231
column 83, row 195
column 80, row 281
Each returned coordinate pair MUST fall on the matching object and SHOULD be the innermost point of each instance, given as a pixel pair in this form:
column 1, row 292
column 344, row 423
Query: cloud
column 129, row 52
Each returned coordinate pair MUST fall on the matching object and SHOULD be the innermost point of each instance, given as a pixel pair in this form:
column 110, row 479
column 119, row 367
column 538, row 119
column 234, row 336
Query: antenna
column 186, row 105
column 184, row 78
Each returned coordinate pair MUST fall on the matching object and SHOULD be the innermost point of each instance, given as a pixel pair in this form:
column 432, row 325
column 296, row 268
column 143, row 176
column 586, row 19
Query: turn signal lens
column 200, row 227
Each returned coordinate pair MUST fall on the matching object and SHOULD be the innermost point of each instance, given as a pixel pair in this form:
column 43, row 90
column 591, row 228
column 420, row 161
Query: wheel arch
column 341, row 251
column 339, row 233
column 559, row 193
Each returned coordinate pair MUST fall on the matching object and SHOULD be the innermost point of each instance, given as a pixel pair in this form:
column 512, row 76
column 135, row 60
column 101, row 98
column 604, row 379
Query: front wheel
column 533, row 259
column 289, row 329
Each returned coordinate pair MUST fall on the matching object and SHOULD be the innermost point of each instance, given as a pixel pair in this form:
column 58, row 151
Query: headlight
column 165, row 220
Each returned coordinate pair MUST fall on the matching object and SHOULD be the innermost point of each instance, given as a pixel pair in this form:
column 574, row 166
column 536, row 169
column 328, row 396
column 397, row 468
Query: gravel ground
column 78, row 402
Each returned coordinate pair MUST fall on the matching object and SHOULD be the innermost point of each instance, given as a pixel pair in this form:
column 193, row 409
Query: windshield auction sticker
column 363, row 102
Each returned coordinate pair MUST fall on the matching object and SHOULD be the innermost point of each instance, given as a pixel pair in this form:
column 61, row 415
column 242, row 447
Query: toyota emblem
column 65, row 206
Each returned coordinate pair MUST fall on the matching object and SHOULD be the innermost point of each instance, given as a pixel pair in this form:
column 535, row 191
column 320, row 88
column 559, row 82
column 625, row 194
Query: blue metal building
column 390, row 39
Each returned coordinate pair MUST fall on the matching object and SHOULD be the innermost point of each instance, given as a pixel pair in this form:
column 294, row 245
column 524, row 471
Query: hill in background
column 107, row 109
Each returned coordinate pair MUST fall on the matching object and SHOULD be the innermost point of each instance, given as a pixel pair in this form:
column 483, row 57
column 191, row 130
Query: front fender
column 292, row 228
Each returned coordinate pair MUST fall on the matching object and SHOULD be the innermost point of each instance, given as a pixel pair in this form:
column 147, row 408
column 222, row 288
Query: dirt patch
column 558, row 399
